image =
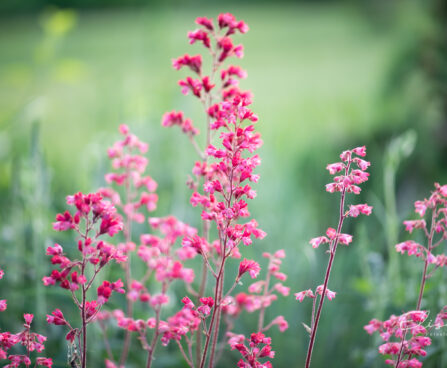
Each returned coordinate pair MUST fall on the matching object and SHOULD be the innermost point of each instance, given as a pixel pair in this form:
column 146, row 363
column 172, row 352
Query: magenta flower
column 249, row 266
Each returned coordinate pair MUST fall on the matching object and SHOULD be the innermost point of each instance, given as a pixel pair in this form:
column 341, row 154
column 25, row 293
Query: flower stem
column 333, row 248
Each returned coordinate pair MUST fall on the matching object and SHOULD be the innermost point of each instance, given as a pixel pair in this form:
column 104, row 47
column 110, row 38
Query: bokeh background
column 326, row 76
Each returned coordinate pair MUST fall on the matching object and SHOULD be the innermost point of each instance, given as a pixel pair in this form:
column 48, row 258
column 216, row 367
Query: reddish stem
column 333, row 248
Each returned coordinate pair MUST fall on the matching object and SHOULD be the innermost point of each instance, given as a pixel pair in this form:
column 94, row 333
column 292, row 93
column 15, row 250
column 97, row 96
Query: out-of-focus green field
column 324, row 77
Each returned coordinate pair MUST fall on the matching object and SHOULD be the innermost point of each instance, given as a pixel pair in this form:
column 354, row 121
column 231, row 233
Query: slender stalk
column 423, row 280
column 154, row 341
column 84, row 326
column 213, row 315
column 262, row 311
column 216, row 330
column 128, row 276
column 333, row 248
column 424, row 273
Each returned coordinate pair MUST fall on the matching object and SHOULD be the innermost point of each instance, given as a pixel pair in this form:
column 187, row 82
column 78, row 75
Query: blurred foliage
column 325, row 77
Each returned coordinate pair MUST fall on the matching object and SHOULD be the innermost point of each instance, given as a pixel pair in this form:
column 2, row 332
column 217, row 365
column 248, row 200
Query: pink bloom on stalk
column 345, row 238
column 207, row 304
column 2, row 273
column 281, row 323
column 411, row 247
column 355, row 210
column 331, row 233
column 420, row 207
column 55, row 250
column 188, row 303
column 330, row 294
column 280, row 288
column 315, row 242
column 392, row 348
column 333, row 187
column 28, row 318
column 199, row 35
column 302, row 294
column 410, row 225
column 124, row 129
column 56, row 318
column 360, row 151
column 373, row 326
column 193, row 62
column 249, row 266
column 205, row 22
column 3, row 305
column 335, row 168
column 45, row 362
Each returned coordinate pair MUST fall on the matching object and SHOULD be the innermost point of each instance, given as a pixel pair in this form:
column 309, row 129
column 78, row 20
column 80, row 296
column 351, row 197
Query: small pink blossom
column 249, row 266
column 302, row 294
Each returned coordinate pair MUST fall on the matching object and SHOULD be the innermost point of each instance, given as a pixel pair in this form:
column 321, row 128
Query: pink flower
column 206, row 22
column 335, row 168
column 302, row 294
column 373, row 326
column 199, row 35
column 28, row 318
column 56, row 318
column 315, row 242
column 330, row 294
column 281, row 323
column 45, row 362
column 249, row 266
column 410, row 225
column 355, row 210
column 193, row 62
column 3, row 305
column 345, row 238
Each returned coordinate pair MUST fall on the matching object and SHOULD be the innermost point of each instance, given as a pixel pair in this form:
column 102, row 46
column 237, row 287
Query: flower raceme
column 348, row 175
column 93, row 218
column 222, row 179
column 412, row 339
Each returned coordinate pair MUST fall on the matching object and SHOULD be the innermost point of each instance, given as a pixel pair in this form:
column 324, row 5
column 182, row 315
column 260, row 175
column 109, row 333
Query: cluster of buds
column 31, row 341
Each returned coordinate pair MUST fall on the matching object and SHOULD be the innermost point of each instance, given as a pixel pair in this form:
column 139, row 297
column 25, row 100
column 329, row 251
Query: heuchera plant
column 158, row 253
column 405, row 336
column 31, row 342
column 346, row 182
column 221, row 186
column 92, row 219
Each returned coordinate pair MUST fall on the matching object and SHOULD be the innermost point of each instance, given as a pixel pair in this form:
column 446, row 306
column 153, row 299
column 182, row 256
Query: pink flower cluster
column 261, row 294
column 31, row 341
column 257, row 347
column 129, row 170
column 93, row 217
column 404, row 350
column 347, row 181
column 410, row 334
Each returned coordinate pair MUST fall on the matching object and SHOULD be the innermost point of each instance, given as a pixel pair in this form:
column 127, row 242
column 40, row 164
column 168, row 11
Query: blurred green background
column 326, row 76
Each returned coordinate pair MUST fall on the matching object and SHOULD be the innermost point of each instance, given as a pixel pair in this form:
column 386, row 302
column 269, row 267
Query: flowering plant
column 346, row 182
column 407, row 328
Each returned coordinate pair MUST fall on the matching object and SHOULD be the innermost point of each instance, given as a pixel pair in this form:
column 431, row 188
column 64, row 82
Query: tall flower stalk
column 93, row 218
column 408, row 330
column 346, row 182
